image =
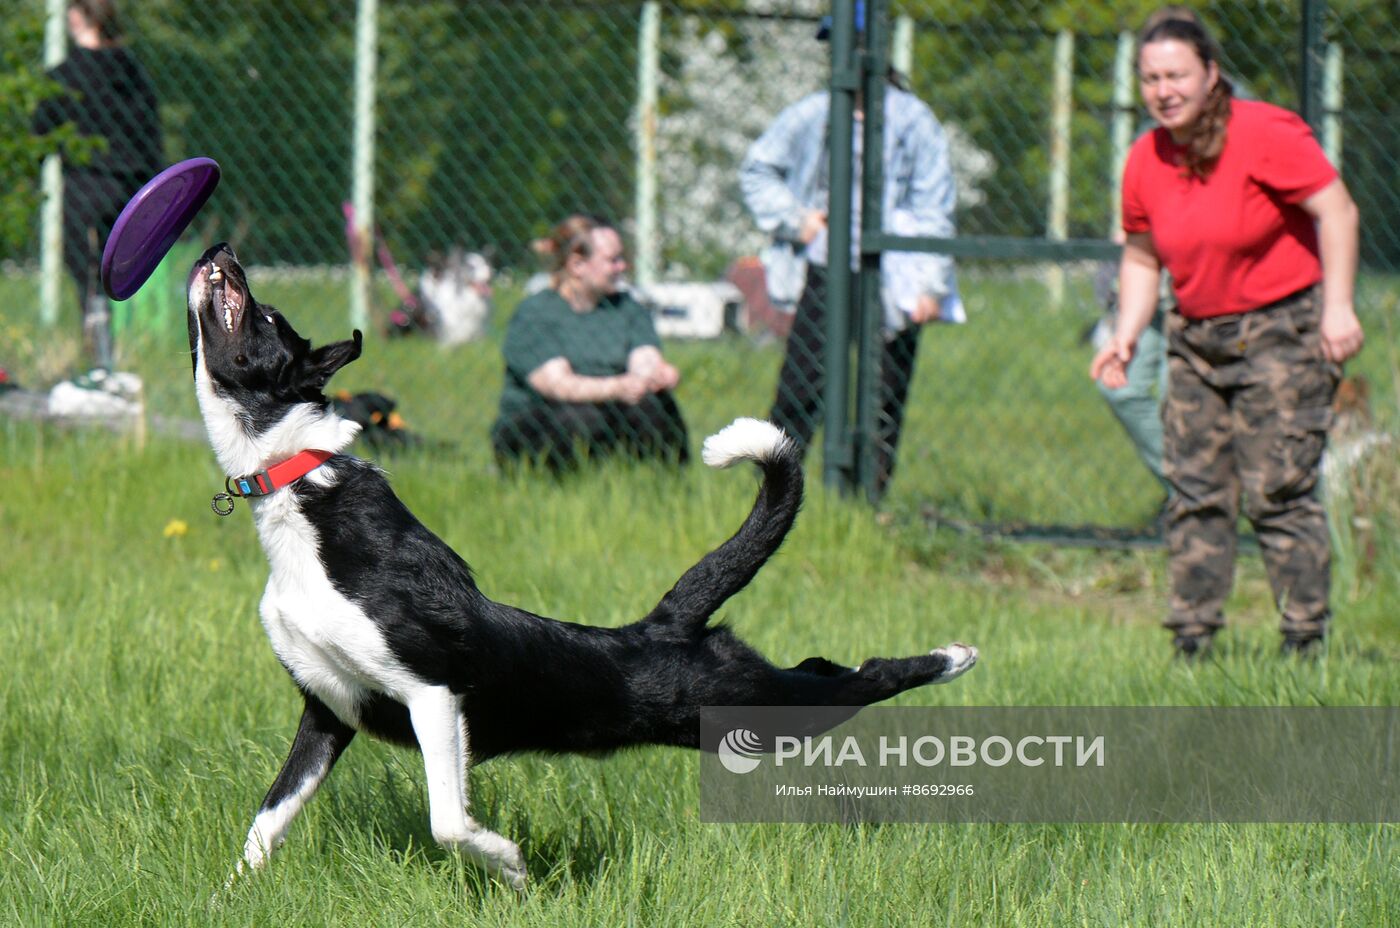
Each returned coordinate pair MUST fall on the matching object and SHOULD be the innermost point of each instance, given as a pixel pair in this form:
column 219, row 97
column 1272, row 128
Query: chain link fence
column 492, row 121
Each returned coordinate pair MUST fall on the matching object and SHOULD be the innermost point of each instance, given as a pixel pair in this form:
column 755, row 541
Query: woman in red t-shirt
column 1236, row 199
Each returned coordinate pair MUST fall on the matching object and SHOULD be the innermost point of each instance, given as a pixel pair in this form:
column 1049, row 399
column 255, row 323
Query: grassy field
column 142, row 715
column 1003, row 423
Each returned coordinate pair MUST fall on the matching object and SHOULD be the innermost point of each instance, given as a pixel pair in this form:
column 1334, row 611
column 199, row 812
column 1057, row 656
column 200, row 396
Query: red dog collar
column 268, row 481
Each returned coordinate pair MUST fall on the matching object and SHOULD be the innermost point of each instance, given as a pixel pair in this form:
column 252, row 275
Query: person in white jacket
column 785, row 184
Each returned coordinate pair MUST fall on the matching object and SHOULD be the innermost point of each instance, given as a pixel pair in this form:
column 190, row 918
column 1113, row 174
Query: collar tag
column 265, row 482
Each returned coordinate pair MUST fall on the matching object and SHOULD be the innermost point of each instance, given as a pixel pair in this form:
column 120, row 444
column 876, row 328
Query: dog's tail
column 728, row 569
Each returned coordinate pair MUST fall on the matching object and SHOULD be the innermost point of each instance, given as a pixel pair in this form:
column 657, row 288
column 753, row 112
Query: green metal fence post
column 1061, row 121
column 51, row 216
column 1332, row 105
column 870, row 309
column 902, row 45
column 1124, row 115
column 366, row 71
column 645, row 240
column 845, row 79
column 1310, row 62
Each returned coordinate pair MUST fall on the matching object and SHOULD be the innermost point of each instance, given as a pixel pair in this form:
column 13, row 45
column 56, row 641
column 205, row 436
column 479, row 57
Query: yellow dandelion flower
column 176, row 528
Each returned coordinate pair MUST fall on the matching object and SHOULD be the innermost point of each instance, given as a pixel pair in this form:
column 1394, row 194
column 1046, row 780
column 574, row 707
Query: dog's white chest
column 328, row 643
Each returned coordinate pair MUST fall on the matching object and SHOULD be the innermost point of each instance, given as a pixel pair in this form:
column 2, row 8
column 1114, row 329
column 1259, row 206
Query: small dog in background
column 1352, row 437
column 454, row 291
column 381, row 428
column 1353, row 480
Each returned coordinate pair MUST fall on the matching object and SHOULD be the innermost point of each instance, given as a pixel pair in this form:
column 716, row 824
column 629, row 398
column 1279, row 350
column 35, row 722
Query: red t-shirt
column 1237, row 240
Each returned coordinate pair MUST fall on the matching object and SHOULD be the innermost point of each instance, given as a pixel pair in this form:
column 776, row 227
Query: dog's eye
column 241, row 360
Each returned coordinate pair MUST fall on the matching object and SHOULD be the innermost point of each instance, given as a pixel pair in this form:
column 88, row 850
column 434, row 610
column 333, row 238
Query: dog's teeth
column 215, row 276
column 228, row 318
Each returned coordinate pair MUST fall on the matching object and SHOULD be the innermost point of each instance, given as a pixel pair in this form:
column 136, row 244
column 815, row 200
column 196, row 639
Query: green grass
column 142, row 714
column 1003, row 423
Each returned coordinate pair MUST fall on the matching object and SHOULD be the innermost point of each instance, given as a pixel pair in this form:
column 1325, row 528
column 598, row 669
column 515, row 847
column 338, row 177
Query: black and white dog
column 384, row 631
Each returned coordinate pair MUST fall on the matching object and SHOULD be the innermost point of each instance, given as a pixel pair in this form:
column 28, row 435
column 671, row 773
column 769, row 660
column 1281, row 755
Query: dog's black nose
column 222, row 253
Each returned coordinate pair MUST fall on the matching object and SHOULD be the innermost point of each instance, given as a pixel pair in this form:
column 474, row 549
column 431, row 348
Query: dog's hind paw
column 960, row 657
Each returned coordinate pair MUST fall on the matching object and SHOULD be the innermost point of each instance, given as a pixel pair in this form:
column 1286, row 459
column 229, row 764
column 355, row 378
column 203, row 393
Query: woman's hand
column 927, row 308
column 1341, row 332
column 1139, row 272
column 629, row 388
column 813, row 222
column 664, row 376
column 1338, row 229
column 1110, row 365
column 654, row 370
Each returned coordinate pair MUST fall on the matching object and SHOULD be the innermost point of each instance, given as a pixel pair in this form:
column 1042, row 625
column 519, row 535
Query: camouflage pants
column 1248, row 405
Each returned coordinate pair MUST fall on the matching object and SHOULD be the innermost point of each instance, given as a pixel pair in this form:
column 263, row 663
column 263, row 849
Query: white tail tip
column 743, row 440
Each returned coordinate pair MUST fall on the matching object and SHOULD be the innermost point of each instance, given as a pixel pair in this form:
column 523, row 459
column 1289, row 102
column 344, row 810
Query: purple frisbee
column 152, row 221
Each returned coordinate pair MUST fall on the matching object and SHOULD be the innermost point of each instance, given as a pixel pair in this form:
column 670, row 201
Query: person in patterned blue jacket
column 785, row 184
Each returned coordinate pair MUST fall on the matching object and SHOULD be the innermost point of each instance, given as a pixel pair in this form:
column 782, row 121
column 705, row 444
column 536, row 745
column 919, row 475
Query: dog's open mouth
column 228, row 297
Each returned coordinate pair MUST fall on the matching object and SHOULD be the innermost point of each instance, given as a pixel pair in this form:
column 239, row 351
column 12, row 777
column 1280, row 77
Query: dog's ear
column 322, row 363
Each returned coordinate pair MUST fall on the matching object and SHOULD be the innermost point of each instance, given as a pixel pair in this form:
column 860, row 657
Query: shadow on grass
column 561, row 848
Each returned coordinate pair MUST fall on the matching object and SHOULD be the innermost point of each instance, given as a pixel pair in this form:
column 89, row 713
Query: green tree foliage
column 987, row 65
column 497, row 117
column 494, row 118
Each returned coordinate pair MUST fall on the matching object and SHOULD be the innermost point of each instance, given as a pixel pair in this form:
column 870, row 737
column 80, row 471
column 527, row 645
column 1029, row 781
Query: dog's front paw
column 244, row 869
column 241, row 872
column 960, row 659
column 514, row 876
column 501, row 857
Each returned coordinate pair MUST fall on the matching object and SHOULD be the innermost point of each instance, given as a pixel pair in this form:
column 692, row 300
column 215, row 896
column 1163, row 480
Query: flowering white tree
column 727, row 80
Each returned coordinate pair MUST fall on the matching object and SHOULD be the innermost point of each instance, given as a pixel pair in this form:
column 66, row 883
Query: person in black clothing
column 109, row 95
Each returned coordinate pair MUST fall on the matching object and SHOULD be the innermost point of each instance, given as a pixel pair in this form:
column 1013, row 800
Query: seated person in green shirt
column 584, row 371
